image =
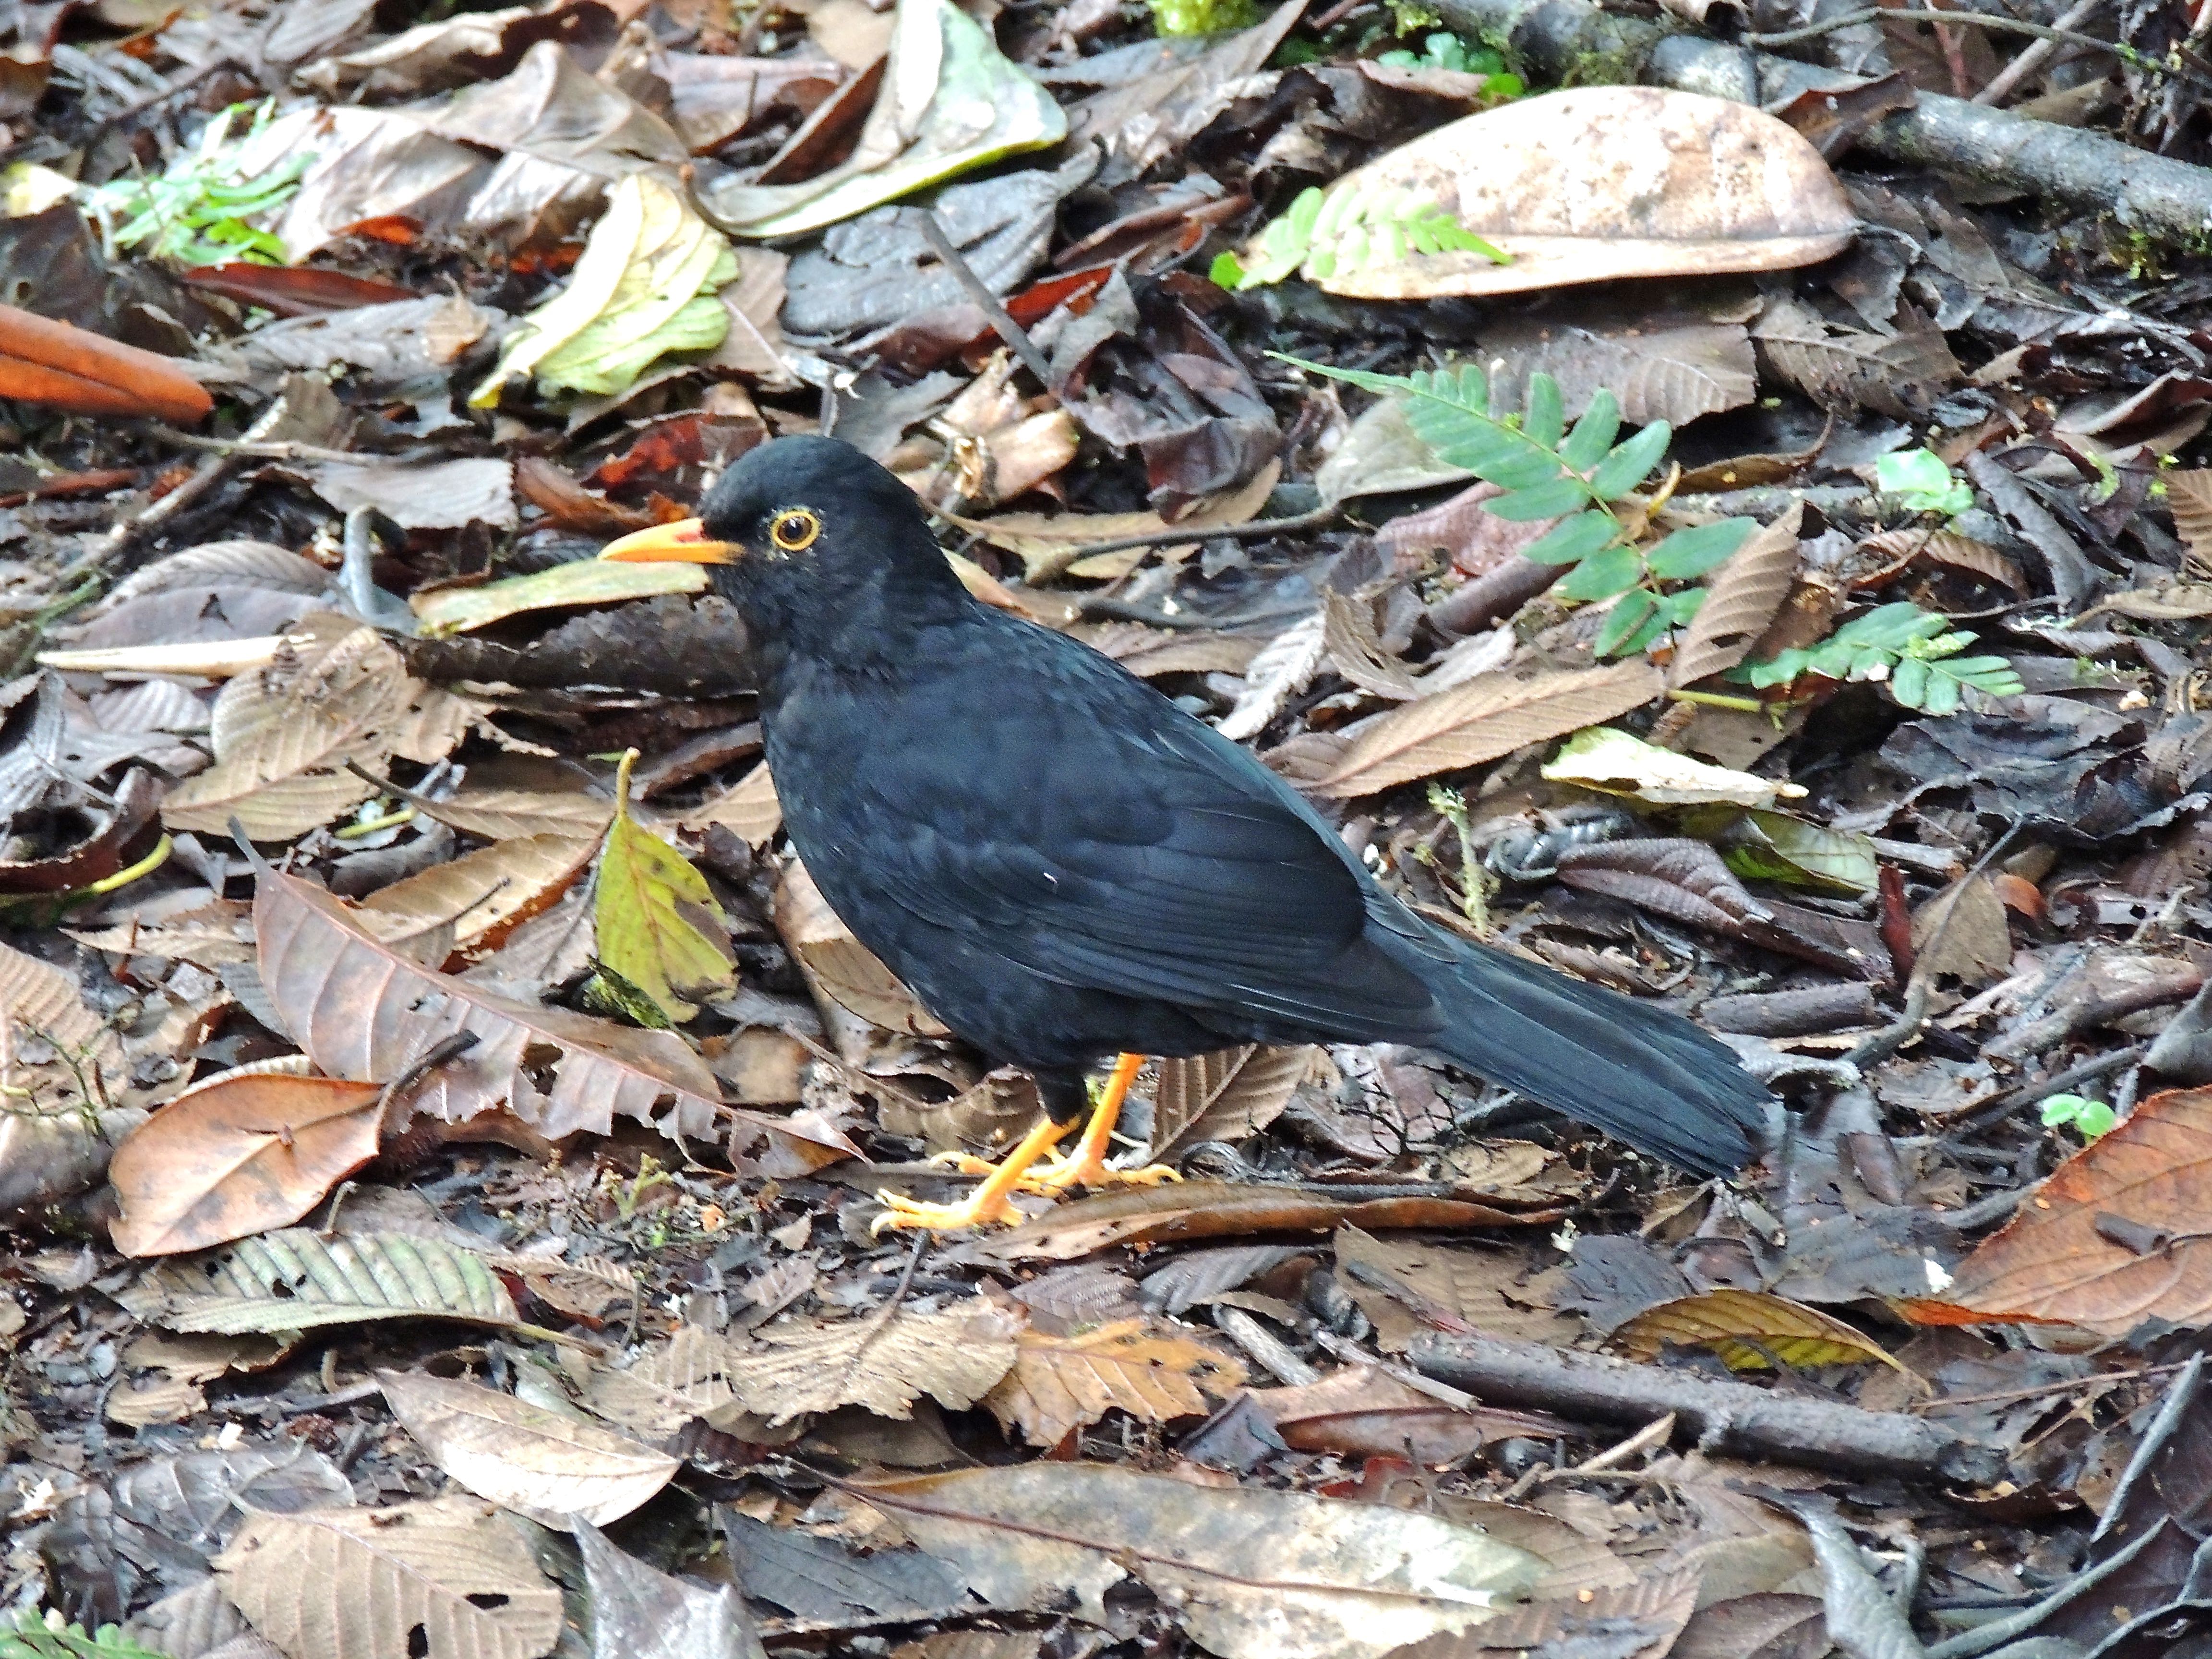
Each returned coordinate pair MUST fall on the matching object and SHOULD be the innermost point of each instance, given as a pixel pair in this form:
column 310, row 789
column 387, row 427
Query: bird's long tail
column 1641, row 1073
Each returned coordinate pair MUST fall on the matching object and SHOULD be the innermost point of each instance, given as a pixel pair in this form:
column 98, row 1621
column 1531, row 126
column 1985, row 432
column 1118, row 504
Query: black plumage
column 1064, row 866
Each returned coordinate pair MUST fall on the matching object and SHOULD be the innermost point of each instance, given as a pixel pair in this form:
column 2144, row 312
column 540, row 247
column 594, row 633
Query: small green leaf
column 1545, row 419
column 1572, row 539
column 1630, row 463
column 1226, row 273
column 1908, row 684
column 1919, row 479
column 1629, row 612
column 1594, row 434
column 1614, row 570
column 1680, row 606
column 1693, row 551
column 1544, row 500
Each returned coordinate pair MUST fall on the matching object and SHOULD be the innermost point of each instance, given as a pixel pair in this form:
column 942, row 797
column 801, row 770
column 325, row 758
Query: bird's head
column 806, row 537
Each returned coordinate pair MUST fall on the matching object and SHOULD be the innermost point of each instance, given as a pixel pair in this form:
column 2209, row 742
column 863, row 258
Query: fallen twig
column 1725, row 1416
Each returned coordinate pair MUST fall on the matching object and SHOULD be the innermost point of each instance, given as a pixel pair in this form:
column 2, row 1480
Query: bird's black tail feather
column 1643, row 1074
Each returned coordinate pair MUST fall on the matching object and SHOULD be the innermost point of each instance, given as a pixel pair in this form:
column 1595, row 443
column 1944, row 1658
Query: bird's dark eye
column 794, row 529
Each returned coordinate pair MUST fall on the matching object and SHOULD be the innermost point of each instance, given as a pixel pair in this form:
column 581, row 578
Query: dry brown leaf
column 1149, row 651
column 1359, row 1412
column 1223, row 1096
column 283, row 733
column 1741, row 600
column 1355, row 650
column 2188, row 494
column 1751, row 1331
column 839, row 966
column 1658, row 367
column 1047, row 544
column 482, row 896
column 497, row 815
column 1975, row 937
column 955, row 1356
column 1407, row 1286
column 362, row 1009
column 2115, row 1236
column 239, row 1155
column 1598, row 183
column 1212, row 1209
column 450, row 1576
column 211, row 935
column 1060, row 1384
column 747, row 809
column 1484, row 719
column 1253, row 1573
column 70, row 1069
column 1639, row 1621
column 1900, row 374
column 553, row 1468
column 1949, row 547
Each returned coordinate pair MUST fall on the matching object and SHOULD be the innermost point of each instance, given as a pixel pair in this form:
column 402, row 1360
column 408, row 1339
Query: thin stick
column 1254, row 530
column 2039, row 53
column 1017, row 338
column 2125, row 53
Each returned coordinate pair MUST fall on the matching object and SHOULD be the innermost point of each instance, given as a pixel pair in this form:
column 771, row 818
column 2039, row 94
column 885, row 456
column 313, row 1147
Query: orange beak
column 684, row 542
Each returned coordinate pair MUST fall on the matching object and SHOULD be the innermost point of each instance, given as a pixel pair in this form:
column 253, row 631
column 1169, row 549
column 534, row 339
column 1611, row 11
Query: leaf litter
column 1819, row 652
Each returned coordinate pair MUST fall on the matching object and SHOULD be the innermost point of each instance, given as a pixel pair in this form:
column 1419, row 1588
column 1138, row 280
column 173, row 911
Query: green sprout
column 2089, row 1119
column 1919, row 479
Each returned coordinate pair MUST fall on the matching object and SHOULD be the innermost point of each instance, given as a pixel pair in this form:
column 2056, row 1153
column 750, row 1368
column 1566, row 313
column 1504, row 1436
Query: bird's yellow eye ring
column 794, row 529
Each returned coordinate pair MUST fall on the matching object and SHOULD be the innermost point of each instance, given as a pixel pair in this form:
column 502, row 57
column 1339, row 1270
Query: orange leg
column 1086, row 1165
column 986, row 1204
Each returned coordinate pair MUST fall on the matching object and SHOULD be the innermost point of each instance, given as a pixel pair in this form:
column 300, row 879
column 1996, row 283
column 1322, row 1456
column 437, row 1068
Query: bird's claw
column 1058, row 1174
column 902, row 1212
column 968, row 1164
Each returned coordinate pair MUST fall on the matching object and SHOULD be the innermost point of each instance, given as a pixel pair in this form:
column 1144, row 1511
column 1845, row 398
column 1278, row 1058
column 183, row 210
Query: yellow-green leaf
column 658, row 926
column 1750, row 1331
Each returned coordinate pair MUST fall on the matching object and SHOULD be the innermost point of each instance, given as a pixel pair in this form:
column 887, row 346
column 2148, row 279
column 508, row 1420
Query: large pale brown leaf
column 1409, row 1285
column 448, row 1579
column 2116, row 1236
column 506, row 814
column 1061, row 1382
column 1598, row 183
column 1741, row 598
column 553, row 1468
column 362, row 1009
column 1487, row 718
column 1254, row 1573
column 1224, row 1096
column 239, row 1155
column 666, row 1387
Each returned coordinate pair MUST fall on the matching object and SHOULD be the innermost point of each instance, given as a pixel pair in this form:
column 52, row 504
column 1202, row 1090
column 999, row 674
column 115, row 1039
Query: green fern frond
column 1352, row 226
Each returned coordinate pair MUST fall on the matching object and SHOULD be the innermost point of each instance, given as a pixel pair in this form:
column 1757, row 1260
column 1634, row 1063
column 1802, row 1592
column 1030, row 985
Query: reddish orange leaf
column 65, row 366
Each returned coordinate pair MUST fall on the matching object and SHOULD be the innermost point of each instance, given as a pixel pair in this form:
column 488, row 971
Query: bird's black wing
column 1072, row 821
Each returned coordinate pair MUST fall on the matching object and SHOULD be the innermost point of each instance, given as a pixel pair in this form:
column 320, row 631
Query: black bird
column 1065, row 866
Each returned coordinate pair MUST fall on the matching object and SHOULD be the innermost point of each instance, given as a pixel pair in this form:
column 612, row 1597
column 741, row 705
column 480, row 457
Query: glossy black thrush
column 1065, row 866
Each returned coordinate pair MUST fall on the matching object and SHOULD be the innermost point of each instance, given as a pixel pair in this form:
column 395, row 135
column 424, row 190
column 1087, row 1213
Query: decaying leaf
column 553, row 1468
column 659, row 925
column 666, row 1386
column 282, row 735
column 1963, row 931
column 1223, row 1096
column 1059, row 1383
column 1406, row 1286
column 1741, row 600
column 499, row 815
column 1618, row 762
column 2114, row 1236
column 1256, row 1574
column 1487, row 717
column 1751, row 1332
column 747, row 809
column 558, row 1072
column 295, row 1280
column 240, row 1155
column 1047, row 544
column 1900, row 373
column 956, row 1357
column 449, row 1574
